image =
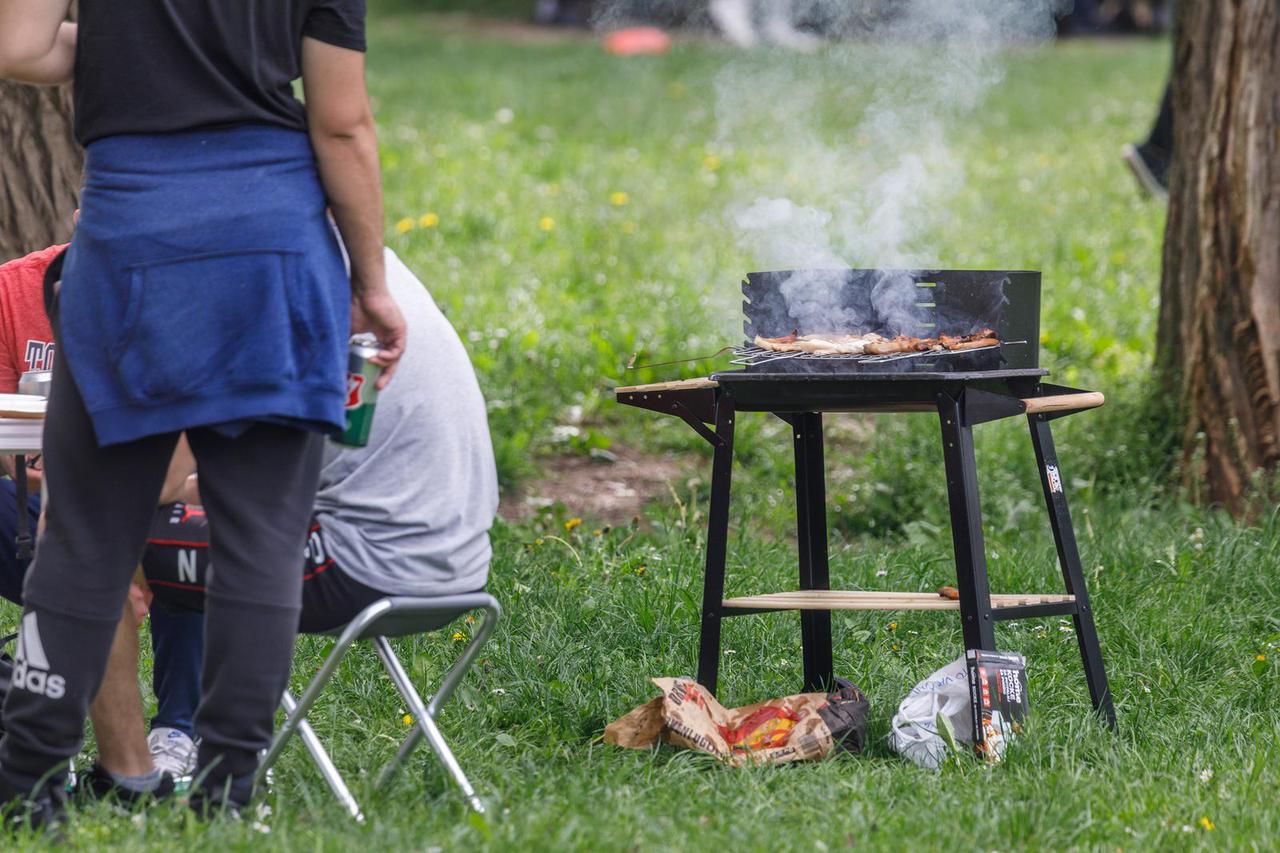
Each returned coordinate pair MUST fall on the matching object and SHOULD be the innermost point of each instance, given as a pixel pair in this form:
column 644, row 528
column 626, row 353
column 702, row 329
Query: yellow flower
column 429, row 220
column 404, row 226
column 1261, row 658
column 893, row 626
column 546, row 223
column 471, row 619
column 640, row 569
column 629, row 227
column 572, row 523
column 408, row 719
column 537, row 541
column 597, row 532
column 711, row 162
column 459, row 637
column 1206, row 824
column 618, row 199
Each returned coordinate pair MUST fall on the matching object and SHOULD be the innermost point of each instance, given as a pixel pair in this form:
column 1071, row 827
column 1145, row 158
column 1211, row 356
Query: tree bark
column 40, row 167
column 1218, row 340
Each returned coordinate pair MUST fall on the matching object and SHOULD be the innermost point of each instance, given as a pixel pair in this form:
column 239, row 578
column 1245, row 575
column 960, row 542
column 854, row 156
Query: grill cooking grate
column 753, row 356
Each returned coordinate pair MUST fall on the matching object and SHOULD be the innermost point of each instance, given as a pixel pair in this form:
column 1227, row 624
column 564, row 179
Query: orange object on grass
column 635, row 41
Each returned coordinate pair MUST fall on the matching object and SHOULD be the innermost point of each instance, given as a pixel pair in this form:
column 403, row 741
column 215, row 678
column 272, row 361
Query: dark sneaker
column 228, row 797
column 97, row 784
column 1150, row 166
column 44, row 812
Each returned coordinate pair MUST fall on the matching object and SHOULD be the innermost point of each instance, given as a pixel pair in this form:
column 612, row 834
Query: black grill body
column 920, row 303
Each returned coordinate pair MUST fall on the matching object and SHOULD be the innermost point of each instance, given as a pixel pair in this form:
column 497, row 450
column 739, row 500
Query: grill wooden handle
column 1063, row 402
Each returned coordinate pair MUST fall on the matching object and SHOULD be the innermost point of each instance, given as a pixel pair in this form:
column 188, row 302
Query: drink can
column 36, row 382
column 362, row 395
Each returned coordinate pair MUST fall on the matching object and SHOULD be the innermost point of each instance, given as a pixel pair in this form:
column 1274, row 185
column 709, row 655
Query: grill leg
column 966, row 527
column 811, row 522
column 1064, row 538
column 717, row 544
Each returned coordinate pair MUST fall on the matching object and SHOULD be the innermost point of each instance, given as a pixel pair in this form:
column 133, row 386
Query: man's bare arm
column 340, row 122
column 181, row 466
column 37, row 44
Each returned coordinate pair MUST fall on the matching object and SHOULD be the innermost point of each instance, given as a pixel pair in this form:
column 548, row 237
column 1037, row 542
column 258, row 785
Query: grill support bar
column 717, row 544
column 811, row 530
column 966, row 525
column 1064, row 538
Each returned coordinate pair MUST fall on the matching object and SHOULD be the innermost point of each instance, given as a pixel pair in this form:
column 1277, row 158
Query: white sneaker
column 174, row 752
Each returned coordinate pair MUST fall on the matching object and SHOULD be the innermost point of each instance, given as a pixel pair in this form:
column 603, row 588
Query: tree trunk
column 40, row 165
column 1218, row 342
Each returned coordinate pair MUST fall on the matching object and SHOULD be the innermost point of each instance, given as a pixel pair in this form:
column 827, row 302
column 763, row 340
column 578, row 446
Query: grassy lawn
column 568, row 209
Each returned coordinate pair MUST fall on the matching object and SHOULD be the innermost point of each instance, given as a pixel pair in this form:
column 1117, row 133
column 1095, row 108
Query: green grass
column 1185, row 598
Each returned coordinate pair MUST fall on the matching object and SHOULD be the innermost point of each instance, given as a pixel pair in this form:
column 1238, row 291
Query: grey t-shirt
column 409, row 514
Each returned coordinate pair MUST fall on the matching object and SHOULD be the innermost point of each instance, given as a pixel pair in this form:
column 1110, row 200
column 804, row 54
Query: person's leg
column 177, row 645
column 1161, row 138
column 258, row 491
column 12, row 570
column 99, row 505
column 116, row 711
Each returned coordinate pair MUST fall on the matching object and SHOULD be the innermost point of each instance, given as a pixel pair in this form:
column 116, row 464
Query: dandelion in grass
column 1261, row 658
column 619, row 199
column 407, row 719
column 471, row 619
column 597, row 532
column 546, row 223
column 537, row 542
column 711, row 162
column 1206, row 824
column 893, row 626
column 572, row 523
column 459, row 637
column 404, row 226
column 429, row 220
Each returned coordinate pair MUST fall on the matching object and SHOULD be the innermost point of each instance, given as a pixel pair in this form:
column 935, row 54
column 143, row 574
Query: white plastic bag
column 914, row 733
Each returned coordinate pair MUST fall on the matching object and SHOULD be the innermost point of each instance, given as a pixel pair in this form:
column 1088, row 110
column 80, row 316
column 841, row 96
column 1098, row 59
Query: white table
column 20, row 436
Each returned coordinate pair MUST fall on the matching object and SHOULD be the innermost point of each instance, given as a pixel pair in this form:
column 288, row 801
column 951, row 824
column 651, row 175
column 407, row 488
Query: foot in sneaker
column 174, row 752
column 98, row 784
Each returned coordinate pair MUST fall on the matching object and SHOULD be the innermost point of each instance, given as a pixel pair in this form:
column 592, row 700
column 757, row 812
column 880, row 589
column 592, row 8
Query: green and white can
column 362, row 393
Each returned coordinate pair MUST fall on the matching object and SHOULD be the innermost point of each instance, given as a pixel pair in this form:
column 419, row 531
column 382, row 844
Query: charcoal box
column 998, row 696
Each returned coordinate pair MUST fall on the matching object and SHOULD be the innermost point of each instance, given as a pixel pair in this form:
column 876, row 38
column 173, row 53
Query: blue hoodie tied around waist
column 204, row 285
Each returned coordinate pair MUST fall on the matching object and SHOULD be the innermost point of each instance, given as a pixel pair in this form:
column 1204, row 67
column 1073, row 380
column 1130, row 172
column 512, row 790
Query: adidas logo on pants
column 31, row 665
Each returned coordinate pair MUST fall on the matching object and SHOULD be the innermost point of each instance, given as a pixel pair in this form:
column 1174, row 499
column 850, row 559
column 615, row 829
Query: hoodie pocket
column 213, row 321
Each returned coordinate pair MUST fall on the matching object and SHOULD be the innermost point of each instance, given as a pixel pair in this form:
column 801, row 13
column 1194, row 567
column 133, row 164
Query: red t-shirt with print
column 26, row 339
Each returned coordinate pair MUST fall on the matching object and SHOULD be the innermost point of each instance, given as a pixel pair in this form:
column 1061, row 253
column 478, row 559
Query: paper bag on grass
column 802, row 727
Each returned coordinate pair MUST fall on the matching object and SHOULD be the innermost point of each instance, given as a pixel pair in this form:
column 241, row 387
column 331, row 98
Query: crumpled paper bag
column 803, row 727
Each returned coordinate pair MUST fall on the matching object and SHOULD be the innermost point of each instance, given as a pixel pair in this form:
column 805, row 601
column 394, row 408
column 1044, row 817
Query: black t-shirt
column 158, row 66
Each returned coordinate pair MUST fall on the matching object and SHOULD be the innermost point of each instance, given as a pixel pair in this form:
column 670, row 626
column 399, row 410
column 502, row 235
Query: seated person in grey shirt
column 408, row 514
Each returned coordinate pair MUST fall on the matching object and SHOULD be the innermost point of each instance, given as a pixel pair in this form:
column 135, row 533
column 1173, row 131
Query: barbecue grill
column 964, row 388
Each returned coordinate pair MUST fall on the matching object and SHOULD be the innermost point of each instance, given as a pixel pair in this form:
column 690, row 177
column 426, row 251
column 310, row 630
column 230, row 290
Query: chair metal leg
column 322, row 759
column 425, row 722
column 309, row 696
column 450, row 682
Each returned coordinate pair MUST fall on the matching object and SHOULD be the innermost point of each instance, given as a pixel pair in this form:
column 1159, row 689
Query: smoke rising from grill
column 910, row 75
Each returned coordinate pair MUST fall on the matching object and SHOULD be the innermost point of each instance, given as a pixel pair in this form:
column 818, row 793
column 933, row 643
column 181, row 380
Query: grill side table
column 961, row 400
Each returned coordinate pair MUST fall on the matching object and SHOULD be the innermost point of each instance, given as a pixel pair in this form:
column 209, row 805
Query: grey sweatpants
column 258, row 490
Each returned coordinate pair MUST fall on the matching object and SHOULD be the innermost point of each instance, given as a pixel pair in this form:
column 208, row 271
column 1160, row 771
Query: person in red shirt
column 26, row 339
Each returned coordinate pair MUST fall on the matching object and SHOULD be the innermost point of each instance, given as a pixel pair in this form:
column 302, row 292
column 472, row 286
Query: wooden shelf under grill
column 868, row 600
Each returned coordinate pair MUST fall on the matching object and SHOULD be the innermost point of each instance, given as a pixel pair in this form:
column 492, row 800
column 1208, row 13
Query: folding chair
column 396, row 616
